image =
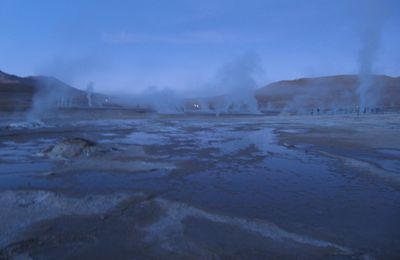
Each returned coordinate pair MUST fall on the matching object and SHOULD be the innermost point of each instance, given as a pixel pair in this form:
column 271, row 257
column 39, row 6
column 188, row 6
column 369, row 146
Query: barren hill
column 23, row 93
column 327, row 93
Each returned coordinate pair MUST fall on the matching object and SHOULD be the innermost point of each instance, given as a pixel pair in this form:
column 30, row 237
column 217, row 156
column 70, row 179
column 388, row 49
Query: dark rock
column 72, row 147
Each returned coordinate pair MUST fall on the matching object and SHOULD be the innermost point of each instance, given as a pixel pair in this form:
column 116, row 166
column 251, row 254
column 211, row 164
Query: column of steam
column 371, row 34
column 89, row 91
column 367, row 56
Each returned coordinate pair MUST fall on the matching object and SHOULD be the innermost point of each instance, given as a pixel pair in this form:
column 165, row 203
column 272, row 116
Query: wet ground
column 202, row 187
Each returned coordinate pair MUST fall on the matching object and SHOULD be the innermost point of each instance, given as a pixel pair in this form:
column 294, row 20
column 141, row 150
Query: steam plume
column 371, row 34
column 236, row 81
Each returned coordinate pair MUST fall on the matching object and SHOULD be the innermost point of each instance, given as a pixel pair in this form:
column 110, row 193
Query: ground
column 230, row 187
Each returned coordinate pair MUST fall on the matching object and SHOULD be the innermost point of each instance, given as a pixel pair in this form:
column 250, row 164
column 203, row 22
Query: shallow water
column 232, row 168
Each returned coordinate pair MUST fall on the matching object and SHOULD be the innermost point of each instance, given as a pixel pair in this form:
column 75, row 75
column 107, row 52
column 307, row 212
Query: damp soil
column 202, row 187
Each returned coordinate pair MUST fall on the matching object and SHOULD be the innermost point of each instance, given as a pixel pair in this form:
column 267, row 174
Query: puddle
column 390, row 152
column 141, row 138
column 294, row 131
column 25, row 168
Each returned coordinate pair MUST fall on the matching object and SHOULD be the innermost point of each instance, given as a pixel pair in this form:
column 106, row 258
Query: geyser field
column 191, row 186
column 298, row 169
column 213, row 129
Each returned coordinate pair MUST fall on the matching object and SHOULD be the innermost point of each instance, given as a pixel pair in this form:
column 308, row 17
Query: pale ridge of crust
column 176, row 212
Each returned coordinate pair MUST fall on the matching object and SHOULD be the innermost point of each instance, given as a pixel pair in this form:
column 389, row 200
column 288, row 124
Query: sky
column 127, row 46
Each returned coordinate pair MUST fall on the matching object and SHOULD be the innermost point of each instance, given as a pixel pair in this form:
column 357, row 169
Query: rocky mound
column 72, row 148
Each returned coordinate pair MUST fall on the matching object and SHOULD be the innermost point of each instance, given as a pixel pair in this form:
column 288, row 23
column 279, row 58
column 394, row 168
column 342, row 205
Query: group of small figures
column 356, row 110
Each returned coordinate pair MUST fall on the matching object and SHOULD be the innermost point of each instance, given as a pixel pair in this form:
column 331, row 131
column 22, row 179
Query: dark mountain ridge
column 23, row 93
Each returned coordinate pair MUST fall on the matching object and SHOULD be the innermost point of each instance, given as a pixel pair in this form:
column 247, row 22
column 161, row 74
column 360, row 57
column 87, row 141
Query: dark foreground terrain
column 201, row 187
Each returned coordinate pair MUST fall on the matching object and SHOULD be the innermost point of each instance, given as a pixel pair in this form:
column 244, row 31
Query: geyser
column 371, row 34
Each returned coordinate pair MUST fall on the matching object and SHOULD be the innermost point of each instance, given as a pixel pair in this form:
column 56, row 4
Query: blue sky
column 129, row 45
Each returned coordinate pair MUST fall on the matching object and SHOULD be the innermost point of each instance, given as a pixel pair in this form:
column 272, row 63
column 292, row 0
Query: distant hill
column 337, row 94
column 327, row 93
column 305, row 95
column 25, row 93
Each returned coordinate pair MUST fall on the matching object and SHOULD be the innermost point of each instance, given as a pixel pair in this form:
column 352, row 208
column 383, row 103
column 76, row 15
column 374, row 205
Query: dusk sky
column 129, row 45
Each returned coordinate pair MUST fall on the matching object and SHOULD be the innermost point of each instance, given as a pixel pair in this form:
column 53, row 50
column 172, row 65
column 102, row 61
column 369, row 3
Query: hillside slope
column 22, row 94
column 327, row 93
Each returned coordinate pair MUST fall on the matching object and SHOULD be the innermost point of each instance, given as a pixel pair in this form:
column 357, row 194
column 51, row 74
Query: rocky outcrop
column 72, row 148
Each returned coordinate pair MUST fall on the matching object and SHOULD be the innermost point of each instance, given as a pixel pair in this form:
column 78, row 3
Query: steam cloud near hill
column 373, row 12
column 234, row 83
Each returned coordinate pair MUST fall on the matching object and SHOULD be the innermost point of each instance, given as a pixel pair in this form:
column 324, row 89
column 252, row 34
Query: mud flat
column 231, row 187
column 367, row 144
